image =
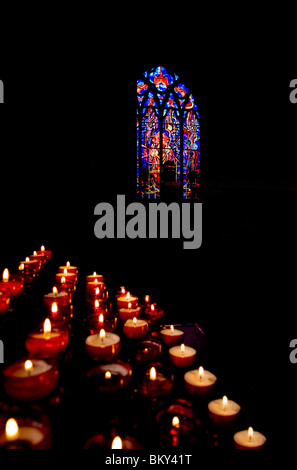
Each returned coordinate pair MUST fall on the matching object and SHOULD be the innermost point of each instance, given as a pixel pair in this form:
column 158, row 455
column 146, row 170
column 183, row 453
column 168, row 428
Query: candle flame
column 54, row 308
column 101, row 318
column 147, row 298
column 200, row 372
column 134, row 321
column 27, row 259
column 12, row 429
column 152, row 308
column 55, row 290
column 123, row 290
column 129, row 305
column 172, row 328
column 28, row 365
column 97, row 303
column 68, row 264
column 42, row 248
column 250, row 433
column 94, row 273
column 128, row 295
column 224, row 402
column 34, row 253
column 97, row 291
column 175, row 422
column 65, row 271
column 153, row 373
column 63, row 280
column 102, row 334
column 5, row 275
column 107, row 375
column 21, row 267
column 182, row 347
column 47, row 327
column 117, row 443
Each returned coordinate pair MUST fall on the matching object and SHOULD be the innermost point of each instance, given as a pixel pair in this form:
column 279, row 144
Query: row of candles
column 36, row 377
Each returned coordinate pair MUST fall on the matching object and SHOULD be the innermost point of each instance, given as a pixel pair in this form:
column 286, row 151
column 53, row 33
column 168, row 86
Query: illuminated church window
column 168, row 136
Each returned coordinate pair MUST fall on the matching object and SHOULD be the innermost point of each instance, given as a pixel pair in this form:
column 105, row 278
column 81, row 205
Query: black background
column 68, row 143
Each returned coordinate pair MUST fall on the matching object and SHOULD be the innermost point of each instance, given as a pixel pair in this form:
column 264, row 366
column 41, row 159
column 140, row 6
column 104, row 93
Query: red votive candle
column 153, row 313
column 103, row 346
column 40, row 256
column 155, row 384
column 24, row 433
column 171, row 336
column 64, row 286
column 71, row 278
column 100, row 442
column 30, row 266
column 4, row 299
column 149, row 350
column 31, row 379
column 110, row 377
column 129, row 312
column 69, row 268
column 13, row 282
column 62, row 299
column 100, row 320
column 99, row 294
column 122, row 292
column 47, row 253
column 124, row 300
column 182, row 356
column 48, row 342
column 223, row 411
column 93, row 277
column 135, row 328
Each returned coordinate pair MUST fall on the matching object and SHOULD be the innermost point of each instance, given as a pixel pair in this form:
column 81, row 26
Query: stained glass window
column 168, row 136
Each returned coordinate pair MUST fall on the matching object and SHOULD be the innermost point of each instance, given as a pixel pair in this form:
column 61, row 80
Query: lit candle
column 135, row 329
column 49, row 342
column 171, row 336
column 40, row 256
column 13, row 282
column 30, row 379
column 93, row 277
column 156, row 383
column 125, row 313
column 101, row 319
column 61, row 299
column 123, row 301
column 23, row 435
column 110, row 377
column 223, row 411
column 126, row 442
column 153, row 313
column 47, row 253
column 71, row 278
column 249, row 439
column 69, row 268
column 199, row 382
column 103, row 346
column 148, row 350
column 30, row 266
column 182, row 356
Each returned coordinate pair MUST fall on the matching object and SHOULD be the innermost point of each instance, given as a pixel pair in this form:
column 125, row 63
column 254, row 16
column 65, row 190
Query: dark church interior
column 74, row 147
